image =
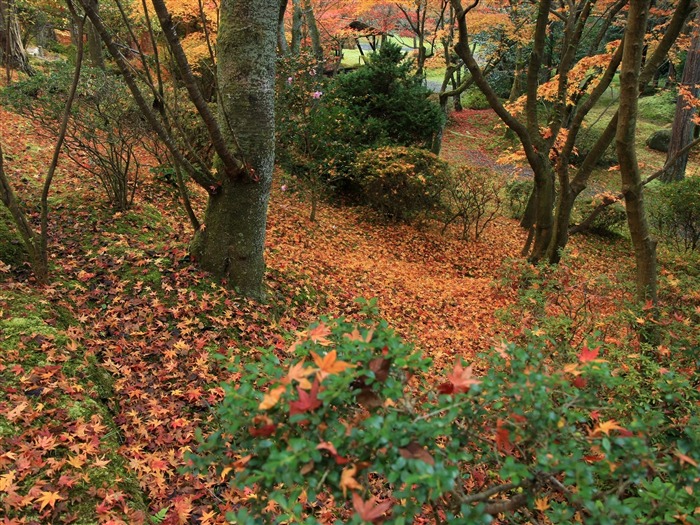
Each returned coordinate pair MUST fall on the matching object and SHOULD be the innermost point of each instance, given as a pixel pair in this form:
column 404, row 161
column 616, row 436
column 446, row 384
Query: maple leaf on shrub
column 370, row 510
column 272, row 397
column 307, row 402
column 348, row 481
column 329, row 364
column 318, row 334
column 588, row 354
column 460, row 380
column 299, row 373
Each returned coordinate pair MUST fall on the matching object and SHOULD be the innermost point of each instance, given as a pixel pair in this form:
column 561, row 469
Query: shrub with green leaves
column 518, row 192
column 401, row 183
column 355, row 417
column 675, row 212
column 473, row 98
column 601, row 214
column 387, row 97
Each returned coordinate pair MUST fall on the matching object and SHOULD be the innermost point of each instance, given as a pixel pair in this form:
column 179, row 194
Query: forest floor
column 107, row 372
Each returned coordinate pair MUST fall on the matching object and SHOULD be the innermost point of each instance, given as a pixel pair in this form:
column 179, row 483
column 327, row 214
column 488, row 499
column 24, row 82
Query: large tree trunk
column 230, row 244
column 644, row 245
column 683, row 125
column 12, row 52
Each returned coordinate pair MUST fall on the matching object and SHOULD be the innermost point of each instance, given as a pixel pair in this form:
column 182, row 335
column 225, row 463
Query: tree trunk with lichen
column 12, row 52
column 231, row 242
column 644, row 245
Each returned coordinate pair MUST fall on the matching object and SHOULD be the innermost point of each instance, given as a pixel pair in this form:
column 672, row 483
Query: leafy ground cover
column 109, row 372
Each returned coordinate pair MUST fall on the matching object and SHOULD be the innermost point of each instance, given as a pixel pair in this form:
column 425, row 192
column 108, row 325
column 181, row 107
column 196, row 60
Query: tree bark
column 683, row 125
column 314, row 33
column 282, row 44
column 12, row 52
column 231, row 243
column 644, row 245
column 94, row 43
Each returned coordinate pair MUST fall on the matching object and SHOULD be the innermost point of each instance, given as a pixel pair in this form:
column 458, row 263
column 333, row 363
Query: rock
column 660, row 140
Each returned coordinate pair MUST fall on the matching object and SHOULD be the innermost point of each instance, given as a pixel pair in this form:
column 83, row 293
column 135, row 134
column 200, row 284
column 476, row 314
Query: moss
column 12, row 251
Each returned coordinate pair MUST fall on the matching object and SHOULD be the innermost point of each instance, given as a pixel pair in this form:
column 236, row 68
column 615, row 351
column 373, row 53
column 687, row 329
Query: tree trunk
column 282, row 44
column 12, row 52
column 231, row 242
column 683, row 125
column 297, row 22
column 95, row 43
column 644, row 245
column 314, row 34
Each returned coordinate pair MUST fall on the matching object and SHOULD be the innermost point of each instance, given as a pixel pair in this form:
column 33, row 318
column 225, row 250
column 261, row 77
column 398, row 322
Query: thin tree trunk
column 644, row 245
column 282, row 44
column 683, row 125
column 297, row 23
column 314, row 34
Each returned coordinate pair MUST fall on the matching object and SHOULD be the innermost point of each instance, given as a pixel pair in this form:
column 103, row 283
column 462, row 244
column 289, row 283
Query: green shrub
column 473, row 98
column 518, row 192
column 586, row 139
column 601, row 221
column 322, row 125
column 527, row 436
column 386, row 95
column 401, row 183
column 674, row 209
column 658, row 108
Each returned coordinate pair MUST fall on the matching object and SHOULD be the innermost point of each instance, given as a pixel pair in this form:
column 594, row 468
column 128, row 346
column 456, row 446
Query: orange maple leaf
column 607, row 427
column 329, row 364
column 299, row 373
column 272, row 397
column 318, row 334
column 48, row 498
column 355, row 335
column 348, row 481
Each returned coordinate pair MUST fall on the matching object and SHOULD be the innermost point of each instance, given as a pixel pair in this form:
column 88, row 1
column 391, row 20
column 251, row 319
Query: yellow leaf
column 348, row 481
column 542, row 503
column 272, row 397
column 48, row 498
column 6, row 481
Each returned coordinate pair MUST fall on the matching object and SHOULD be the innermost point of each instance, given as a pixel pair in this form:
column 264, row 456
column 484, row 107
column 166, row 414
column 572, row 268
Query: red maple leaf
column 462, row 378
column 370, row 510
column 588, row 354
column 307, row 402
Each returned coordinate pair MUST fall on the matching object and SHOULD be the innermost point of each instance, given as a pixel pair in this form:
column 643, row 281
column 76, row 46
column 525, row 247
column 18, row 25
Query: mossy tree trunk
column 12, row 52
column 683, row 125
column 644, row 245
column 231, row 243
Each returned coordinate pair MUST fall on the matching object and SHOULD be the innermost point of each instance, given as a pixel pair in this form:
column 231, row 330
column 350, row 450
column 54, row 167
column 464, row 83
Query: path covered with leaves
column 108, row 372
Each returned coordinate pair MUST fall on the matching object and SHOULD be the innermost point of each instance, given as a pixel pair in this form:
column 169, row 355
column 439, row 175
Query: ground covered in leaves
column 108, row 372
